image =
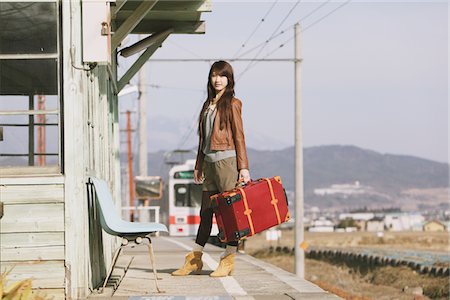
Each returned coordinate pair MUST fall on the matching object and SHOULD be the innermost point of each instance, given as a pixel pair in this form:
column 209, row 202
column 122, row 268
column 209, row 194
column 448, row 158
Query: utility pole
column 299, row 230
column 130, row 165
column 143, row 121
column 143, row 217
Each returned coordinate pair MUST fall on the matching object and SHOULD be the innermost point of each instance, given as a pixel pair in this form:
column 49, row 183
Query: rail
column 425, row 262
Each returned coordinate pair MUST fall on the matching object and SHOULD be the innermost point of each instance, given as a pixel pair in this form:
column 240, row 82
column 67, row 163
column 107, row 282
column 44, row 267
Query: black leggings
column 206, row 216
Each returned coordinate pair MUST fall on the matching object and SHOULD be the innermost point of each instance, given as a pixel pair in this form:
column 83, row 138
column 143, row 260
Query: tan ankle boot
column 225, row 268
column 193, row 263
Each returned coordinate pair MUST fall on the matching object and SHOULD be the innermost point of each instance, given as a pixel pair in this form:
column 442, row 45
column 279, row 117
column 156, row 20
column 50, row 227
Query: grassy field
column 382, row 283
column 409, row 240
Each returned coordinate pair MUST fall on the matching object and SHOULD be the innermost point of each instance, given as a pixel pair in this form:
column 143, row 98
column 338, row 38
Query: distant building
column 357, row 216
column 60, row 85
column 358, row 220
column 376, row 224
column 312, row 212
column 321, row 225
column 403, row 221
column 434, row 226
column 343, row 189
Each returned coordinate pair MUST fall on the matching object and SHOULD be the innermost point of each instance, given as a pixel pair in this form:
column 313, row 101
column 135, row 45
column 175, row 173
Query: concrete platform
column 253, row 279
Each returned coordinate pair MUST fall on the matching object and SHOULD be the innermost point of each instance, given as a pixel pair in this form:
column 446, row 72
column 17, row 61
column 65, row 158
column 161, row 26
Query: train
column 181, row 201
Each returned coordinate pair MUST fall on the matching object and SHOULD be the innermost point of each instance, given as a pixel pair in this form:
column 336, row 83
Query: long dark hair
column 221, row 68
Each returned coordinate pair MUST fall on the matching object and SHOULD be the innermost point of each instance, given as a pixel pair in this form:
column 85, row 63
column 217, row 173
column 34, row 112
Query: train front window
column 188, row 195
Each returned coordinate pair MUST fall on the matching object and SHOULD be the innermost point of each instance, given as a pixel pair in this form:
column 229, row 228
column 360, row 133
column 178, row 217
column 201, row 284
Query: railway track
column 424, row 262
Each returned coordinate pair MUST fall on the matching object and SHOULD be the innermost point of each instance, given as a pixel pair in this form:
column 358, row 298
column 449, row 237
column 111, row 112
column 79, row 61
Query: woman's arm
column 198, row 170
column 239, row 139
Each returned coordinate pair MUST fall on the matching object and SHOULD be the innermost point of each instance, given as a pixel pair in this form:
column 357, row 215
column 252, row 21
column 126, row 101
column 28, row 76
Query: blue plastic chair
column 113, row 224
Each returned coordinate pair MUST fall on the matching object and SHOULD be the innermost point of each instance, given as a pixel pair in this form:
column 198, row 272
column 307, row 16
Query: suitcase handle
column 240, row 183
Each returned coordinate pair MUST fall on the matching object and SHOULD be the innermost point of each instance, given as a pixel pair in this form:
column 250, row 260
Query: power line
column 190, row 130
column 274, row 32
column 193, row 123
column 285, row 18
column 266, row 41
column 256, row 28
column 184, row 48
column 331, row 12
column 303, row 30
column 157, row 86
column 221, row 58
column 285, row 29
column 313, row 11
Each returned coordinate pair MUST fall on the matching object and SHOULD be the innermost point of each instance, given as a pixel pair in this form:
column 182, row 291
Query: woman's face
column 219, row 82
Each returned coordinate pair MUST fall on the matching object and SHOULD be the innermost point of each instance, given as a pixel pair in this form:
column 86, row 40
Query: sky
column 374, row 75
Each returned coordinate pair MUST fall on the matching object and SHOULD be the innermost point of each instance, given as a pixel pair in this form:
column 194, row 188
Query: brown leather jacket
column 229, row 138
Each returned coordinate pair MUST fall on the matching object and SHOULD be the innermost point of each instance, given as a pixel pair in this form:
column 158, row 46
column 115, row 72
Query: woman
column 221, row 161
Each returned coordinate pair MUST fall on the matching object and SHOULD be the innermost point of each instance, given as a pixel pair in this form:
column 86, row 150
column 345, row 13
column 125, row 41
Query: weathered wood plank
column 32, row 246
column 32, row 218
column 35, row 239
column 163, row 15
column 34, row 180
column 152, row 26
column 27, row 171
column 16, row 194
column 45, row 274
column 199, row 6
column 32, row 253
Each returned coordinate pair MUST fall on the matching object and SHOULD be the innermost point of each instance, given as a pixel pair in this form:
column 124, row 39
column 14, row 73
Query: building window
column 30, row 118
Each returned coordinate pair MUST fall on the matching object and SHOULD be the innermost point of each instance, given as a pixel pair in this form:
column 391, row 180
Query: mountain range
column 386, row 180
column 406, row 182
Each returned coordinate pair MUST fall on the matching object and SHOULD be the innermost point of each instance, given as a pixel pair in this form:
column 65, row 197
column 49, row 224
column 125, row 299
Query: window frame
column 35, row 169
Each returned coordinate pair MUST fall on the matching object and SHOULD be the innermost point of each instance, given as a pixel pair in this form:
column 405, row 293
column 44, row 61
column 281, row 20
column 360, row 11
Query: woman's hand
column 244, row 175
column 198, row 176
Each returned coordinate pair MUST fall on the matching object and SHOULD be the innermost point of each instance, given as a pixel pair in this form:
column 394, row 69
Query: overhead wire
column 188, row 133
column 314, row 10
column 256, row 28
column 303, row 30
column 184, row 48
column 191, row 129
column 284, row 30
column 265, row 42
column 158, row 86
column 261, row 47
column 325, row 16
column 273, row 33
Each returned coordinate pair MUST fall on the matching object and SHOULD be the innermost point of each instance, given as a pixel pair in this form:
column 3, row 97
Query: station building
column 59, row 90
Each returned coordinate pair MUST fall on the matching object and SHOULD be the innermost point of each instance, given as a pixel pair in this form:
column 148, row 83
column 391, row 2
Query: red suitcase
column 250, row 209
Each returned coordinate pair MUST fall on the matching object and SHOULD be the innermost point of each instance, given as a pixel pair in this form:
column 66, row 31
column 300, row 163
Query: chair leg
column 111, row 268
column 152, row 260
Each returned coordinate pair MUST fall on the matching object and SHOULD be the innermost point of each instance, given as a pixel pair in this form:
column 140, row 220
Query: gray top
column 208, row 124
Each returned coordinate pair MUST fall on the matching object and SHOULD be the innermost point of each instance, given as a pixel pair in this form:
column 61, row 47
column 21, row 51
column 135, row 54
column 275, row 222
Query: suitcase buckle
column 231, row 199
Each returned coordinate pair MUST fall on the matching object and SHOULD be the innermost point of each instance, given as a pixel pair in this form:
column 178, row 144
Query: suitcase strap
column 247, row 211
column 274, row 201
